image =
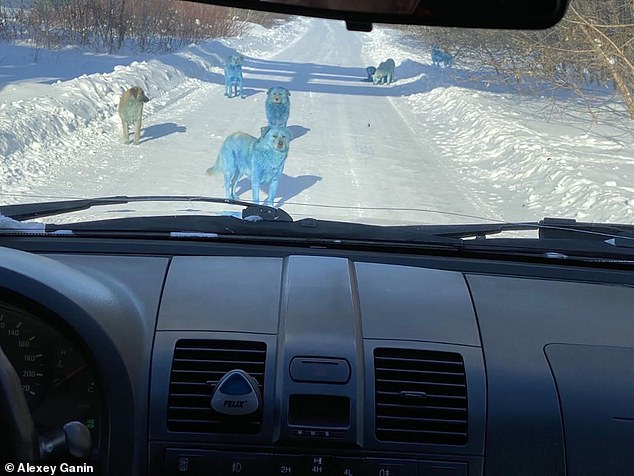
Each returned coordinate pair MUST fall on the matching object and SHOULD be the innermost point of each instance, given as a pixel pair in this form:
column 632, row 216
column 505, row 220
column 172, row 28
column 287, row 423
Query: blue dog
column 384, row 74
column 440, row 57
column 262, row 160
column 278, row 106
column 233, row 76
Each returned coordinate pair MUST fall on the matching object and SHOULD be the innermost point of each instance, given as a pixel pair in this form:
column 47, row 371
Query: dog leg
column 230, row 183
column 272, row 191
column 137, row 132
column 255, row 186
column 126, row 133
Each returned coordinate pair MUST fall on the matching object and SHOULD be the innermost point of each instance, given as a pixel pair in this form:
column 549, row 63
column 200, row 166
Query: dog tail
column 213, row 169
column 217, row 167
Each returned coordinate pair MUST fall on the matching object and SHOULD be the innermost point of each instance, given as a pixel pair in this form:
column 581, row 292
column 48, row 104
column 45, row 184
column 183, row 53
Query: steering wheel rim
column 18, row 437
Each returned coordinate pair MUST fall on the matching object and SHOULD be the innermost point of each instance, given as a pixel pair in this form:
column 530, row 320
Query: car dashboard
column 359, row 362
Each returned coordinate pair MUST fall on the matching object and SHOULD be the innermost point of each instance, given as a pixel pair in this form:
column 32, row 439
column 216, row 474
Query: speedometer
column 58, row 380
column 25, row 352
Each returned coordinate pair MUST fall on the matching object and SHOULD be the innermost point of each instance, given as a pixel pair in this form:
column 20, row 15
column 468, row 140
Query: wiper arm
column 477, row 230
column 563, row 228
column 548, row 229
column 29, row 211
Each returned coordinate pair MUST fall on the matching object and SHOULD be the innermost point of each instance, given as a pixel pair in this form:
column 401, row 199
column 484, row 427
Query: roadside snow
column 43, row 106
column 524, row 157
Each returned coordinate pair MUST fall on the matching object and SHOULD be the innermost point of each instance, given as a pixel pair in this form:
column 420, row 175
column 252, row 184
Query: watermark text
column 62, row 468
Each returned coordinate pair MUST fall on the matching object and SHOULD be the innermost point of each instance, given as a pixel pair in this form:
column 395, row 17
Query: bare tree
column 606, row 33
column 150, row 25
column 591, row 47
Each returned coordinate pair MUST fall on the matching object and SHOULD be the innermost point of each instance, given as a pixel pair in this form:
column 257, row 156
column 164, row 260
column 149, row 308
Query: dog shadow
column 245, row 94
column 297, row 131
column 248, row 92
column 288, row 188
column 161, row 130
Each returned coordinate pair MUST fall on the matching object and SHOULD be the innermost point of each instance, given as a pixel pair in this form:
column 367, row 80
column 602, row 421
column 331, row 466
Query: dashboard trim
column 50, row 284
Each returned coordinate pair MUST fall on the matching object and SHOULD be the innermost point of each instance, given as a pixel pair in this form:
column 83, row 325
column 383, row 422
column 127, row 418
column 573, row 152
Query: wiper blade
column 477, row 230
column 307, row 228
column 29, row 211
column 548, row 229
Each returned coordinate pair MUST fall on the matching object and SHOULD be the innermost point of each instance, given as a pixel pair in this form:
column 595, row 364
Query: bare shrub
column 107, row 25
column 589, row 51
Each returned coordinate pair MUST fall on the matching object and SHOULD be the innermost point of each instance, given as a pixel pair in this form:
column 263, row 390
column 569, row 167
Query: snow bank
column 50, row 111
column 528, row 157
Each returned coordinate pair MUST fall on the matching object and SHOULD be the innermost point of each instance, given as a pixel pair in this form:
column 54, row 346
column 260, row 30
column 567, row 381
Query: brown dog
column 131, row 111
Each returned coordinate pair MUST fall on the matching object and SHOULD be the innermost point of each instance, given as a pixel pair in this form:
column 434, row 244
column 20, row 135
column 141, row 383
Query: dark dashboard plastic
column 546, row 353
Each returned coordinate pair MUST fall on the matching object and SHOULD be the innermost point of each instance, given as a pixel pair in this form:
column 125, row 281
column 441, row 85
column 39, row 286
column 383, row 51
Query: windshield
column 401, row 125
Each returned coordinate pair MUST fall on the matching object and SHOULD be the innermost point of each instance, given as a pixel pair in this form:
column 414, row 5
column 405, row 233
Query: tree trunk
column 619, row 80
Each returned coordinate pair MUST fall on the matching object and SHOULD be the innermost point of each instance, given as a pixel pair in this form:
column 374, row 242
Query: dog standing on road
column 278, row 106
column 384, row 74
column 233, row 76
column 262, row 160
column 131, row 112
column 440, row 57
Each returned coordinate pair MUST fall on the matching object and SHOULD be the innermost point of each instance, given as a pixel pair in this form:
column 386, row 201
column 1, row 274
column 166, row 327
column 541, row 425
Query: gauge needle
column 68, row 376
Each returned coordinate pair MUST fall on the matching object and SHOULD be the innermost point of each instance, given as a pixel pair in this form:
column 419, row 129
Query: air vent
column 421, row 396
column 196, row 368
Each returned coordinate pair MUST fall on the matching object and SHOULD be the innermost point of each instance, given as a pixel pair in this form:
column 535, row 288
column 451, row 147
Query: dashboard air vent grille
column 421, row 396
column 196, row 368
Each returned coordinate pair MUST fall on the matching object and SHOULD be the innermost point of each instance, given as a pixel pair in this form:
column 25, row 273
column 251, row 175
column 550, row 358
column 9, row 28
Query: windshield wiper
column 564, row 228
column 548, row 229
column 29, row 211
column 275, row 223
column 477, row 230
column 555, row 234
column 560, row 238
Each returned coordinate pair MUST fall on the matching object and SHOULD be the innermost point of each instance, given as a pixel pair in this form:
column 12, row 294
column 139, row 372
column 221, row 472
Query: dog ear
column 269, row 91
column 264, row 130
column 288, row 92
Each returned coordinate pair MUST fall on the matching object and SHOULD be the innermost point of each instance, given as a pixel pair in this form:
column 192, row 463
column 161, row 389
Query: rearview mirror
column 360, row 14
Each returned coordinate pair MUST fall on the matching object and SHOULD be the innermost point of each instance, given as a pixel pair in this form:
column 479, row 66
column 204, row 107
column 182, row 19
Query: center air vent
column 196, row 369
column 421, row 396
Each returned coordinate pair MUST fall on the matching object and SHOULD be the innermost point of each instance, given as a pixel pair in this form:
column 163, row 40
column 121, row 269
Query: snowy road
column 437, row 146
column 353, row 152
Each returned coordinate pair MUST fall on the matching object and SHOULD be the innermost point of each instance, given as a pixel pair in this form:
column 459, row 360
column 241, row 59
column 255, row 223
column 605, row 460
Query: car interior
column 190, row 355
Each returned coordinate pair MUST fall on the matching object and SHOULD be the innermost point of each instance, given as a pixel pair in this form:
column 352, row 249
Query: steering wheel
column 19, row 441
column 18, row 438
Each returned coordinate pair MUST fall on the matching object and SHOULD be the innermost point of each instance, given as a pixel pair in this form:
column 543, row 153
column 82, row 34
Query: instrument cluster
column 59, row 381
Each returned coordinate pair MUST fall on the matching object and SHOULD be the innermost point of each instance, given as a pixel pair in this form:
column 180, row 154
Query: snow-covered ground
column 436, row 146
